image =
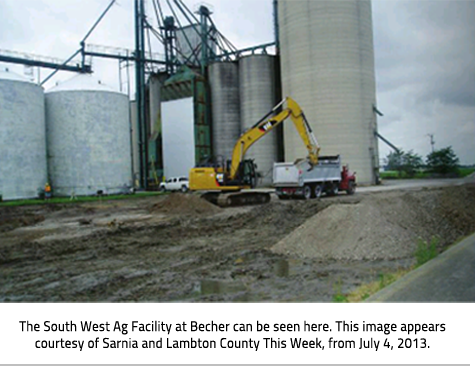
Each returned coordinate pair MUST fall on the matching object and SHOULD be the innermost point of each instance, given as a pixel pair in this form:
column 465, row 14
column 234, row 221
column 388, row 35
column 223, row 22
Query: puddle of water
column 281, row 268
column 209, row 287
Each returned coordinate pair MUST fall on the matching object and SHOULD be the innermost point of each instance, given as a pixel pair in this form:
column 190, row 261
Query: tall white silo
column 23, row 172
column 327, row 66
column 88, row 136
column 257, row 98
column 224, row 84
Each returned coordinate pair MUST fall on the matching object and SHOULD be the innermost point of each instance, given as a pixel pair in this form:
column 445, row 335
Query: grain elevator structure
column 192, row 100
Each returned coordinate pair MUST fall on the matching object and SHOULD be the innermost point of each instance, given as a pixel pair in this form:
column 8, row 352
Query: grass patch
column 366, row 290
column 67, row 200
column 390, row 174
column 339, row 296
column 465, row 172
column 393, row 174
column 426, row 250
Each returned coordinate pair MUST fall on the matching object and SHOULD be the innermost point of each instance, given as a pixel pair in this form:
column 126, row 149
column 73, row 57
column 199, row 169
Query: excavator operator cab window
column 248, row 173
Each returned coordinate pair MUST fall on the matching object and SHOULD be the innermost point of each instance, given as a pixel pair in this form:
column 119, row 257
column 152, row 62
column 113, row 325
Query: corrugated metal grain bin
column 23, row 172
column 88, row 134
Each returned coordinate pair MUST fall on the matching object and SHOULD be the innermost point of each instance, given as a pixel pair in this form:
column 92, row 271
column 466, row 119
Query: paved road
column 448, row 278
column 406, row 184
column 388, row 185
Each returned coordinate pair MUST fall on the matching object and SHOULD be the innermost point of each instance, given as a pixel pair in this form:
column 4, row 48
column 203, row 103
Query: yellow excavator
column 224, row 181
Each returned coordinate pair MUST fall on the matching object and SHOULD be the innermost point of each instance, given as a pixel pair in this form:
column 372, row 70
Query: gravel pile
column 383, row 226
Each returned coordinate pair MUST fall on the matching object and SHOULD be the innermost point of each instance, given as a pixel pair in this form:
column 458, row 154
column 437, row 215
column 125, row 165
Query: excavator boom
column 267, row 124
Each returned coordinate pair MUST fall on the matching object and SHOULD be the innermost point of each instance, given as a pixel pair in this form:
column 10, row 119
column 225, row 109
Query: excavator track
column 233, row 199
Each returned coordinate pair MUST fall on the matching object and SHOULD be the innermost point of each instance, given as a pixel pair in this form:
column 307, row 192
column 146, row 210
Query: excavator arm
column 267, row 124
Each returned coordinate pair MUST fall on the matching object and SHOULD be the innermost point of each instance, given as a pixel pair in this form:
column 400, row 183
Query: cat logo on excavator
column 268, row 126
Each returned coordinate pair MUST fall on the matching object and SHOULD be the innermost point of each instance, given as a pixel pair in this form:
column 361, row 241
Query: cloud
column 425, row 66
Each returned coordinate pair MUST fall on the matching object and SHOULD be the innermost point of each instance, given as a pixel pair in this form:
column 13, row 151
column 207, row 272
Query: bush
column 406, row 164
column 443, row 161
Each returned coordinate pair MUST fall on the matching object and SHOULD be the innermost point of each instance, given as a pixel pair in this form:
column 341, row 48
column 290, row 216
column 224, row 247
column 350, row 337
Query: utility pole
column 432, row 142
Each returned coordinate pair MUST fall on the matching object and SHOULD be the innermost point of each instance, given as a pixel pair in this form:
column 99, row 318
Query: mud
column 177, row 248
column 11, row 218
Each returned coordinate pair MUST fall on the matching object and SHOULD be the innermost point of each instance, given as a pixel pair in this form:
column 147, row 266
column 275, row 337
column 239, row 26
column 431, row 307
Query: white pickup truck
column 301, row 179
column 175, row 184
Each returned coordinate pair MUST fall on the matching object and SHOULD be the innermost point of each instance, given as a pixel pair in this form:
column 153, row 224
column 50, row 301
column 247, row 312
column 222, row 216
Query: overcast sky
column 424, row 50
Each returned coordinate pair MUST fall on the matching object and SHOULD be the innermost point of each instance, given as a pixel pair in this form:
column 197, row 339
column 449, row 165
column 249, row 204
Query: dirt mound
column 384, row 226
column 185, row 204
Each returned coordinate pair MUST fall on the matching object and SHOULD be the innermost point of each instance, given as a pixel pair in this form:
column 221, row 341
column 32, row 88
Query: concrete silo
column 257, row 98
column 224, row 84
column 327, row 66
column 88, row 135
column 23, row 170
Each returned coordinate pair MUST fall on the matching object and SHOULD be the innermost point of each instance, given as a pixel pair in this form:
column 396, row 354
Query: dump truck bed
column 301, row 172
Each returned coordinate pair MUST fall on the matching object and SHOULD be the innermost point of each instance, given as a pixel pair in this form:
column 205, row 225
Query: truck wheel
column 184, row 189
column 318, row 190
column 333, row 189
column 307, row 192
column 351, row 188
column 162, row 189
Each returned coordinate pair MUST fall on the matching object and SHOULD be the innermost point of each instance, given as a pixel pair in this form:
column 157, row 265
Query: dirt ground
column 179, row 248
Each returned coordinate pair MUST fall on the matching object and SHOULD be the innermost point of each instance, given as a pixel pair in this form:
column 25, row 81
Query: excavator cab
column 246, row 175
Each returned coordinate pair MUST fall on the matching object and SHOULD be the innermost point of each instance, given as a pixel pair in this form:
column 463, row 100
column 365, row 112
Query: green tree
column 394, row 161
column 410, row 163
column 402, row 162
column 443, row 161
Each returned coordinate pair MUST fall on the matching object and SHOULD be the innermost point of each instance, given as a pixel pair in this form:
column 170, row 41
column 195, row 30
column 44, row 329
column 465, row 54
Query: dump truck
column 306, row 180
